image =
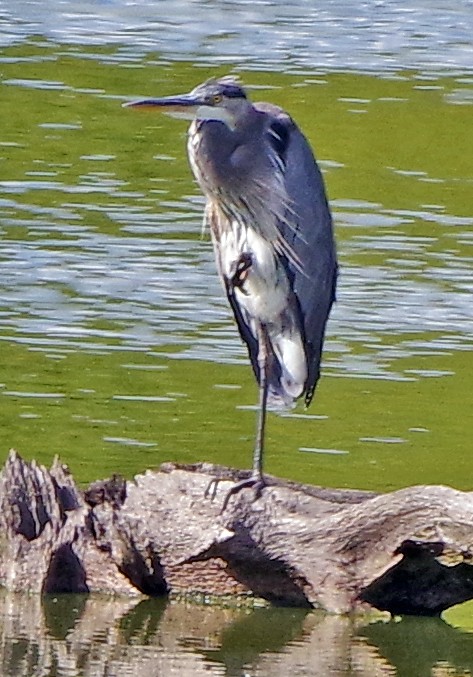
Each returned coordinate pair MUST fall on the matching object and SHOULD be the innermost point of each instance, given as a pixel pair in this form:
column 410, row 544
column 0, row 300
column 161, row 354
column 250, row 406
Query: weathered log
column 407, row 552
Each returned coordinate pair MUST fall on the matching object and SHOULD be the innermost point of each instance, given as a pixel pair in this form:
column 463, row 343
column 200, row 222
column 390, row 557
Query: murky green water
column 117, row 349
column 74, row 635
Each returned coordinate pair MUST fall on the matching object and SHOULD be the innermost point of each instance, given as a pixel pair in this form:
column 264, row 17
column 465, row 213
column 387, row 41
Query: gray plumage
column 271, row 228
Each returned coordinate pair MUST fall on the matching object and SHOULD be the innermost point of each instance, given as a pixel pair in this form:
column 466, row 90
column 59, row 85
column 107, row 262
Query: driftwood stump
column 407, row 552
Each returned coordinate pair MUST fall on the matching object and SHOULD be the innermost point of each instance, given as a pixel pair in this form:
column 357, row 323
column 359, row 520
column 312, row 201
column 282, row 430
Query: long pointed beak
column 185, row 103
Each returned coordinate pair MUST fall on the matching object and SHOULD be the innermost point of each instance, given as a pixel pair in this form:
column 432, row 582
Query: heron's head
column 222, row 99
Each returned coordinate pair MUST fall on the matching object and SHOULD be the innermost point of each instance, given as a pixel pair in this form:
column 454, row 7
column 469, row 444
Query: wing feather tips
column 312, row 240
column 314, row 352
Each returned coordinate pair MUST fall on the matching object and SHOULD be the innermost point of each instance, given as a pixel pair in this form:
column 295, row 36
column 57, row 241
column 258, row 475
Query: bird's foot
column 257, row 482
column 211, row 489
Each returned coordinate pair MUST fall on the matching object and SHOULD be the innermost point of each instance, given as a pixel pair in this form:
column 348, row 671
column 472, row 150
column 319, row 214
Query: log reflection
column 66, row 635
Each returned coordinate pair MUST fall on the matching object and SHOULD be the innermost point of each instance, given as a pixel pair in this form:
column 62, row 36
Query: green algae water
column 74, row 635
column 117, row 349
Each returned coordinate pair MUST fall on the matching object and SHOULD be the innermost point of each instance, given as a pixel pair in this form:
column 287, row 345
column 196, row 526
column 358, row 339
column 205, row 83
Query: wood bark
column 406, row 552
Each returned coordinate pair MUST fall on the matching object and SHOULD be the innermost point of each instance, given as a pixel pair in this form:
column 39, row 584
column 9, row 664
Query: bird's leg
column 263, row 399
column 257, row 480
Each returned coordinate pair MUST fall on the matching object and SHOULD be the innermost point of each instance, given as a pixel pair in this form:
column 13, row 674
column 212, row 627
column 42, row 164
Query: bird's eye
column 216, row 99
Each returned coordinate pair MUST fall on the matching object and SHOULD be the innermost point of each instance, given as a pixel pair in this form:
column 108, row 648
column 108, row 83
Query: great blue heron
column 272, row 234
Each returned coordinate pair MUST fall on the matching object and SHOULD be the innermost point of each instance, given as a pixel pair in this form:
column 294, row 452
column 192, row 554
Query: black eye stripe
column 231, row 92
column 226, row 86
column 234, row 93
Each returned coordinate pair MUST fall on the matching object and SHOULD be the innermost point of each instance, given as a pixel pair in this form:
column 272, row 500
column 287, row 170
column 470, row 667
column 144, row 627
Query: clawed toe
column 211, row 489
column 256, row 482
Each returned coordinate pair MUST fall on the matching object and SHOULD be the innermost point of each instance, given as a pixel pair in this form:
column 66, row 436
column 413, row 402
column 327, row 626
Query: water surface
column 117, row 349
column 73, row 635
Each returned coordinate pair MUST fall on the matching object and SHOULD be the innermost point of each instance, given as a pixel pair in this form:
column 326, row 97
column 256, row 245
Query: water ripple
column 384, row 36
column 98, row 291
